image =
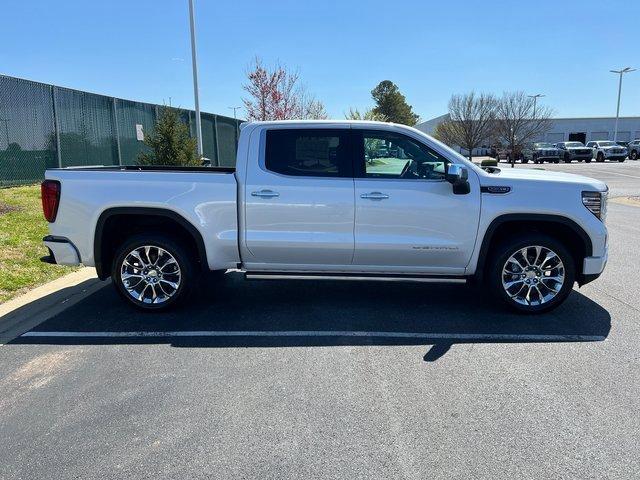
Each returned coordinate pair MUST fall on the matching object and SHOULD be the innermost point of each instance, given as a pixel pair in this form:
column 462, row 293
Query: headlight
column 596, row 202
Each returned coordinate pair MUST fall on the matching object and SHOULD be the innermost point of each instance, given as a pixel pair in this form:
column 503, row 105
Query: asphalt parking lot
column 337, row 380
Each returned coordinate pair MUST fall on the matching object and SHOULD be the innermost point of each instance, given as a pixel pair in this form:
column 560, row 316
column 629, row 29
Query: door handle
column 374, row 196
column 265, row 194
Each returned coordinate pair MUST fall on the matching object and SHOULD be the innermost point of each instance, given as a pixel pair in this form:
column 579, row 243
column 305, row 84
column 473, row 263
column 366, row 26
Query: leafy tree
column 170, row 142
column 369, row 114
column 392, row 104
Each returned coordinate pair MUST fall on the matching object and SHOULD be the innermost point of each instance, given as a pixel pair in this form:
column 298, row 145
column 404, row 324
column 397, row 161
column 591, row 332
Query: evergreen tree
column 391, row 104
column 170, row 142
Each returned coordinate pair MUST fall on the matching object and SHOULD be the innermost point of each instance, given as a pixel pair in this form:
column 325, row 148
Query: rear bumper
column 61, row 251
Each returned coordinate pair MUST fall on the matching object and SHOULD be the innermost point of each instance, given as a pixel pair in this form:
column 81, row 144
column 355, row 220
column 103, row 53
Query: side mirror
column 458, row 176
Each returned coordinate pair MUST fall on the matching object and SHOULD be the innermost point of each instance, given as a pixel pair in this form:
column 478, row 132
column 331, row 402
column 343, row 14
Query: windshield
column 574, row 144
column 607, row 144
column 542, row 145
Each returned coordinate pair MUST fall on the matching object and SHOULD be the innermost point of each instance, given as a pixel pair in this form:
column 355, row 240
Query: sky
column 140, row 50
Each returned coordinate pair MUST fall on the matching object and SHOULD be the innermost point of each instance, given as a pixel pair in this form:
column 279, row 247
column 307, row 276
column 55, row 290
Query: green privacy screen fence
column 43, row 126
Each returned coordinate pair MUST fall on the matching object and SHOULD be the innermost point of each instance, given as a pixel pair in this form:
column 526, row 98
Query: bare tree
column 470, row 122
column 276, row 94
column 518, row 121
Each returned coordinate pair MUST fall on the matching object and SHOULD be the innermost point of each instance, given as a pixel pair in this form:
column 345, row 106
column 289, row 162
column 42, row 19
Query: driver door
column 407, row 217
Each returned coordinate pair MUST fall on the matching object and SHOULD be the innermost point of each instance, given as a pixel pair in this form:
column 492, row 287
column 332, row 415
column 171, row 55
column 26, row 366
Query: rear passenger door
column 299, row 200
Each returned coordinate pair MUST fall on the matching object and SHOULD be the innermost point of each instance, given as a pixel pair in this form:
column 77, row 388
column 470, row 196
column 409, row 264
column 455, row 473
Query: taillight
column 50, row 190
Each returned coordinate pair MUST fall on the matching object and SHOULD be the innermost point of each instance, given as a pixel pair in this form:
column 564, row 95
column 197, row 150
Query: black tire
column 622, row 160
column 567, row 158
column 587, row 160
column 556, row 160
column 633, row 155
column 186, row 264
column 600, row 157
column 511, row 245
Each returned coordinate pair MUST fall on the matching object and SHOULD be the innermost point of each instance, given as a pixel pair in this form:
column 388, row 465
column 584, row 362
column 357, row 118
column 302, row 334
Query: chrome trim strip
column 281, row 276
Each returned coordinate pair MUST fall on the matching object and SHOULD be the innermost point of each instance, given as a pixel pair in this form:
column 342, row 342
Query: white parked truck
column 336, row 200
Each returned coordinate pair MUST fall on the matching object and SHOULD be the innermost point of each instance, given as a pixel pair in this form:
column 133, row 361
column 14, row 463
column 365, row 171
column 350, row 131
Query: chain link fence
column 44, row 126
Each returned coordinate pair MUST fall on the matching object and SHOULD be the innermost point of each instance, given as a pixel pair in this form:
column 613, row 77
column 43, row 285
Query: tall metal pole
column 194, row 61
column 619, row 72
column 235, row 120
column 535, row 102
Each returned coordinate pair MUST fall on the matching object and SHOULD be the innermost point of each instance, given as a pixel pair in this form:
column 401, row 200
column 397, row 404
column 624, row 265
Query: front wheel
column 531, row 273
column 600, row 157
column 587, row 160
column 153, row 272
column 633, row 156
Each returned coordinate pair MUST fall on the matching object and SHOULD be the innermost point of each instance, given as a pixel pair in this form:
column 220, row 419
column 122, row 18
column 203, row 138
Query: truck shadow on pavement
column 263, row 314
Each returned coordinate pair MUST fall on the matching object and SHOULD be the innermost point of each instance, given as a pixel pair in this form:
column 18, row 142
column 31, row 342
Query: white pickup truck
column 337, row 200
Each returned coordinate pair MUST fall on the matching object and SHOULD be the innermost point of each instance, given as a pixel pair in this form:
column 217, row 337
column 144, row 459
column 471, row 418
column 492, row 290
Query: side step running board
column 353, row 277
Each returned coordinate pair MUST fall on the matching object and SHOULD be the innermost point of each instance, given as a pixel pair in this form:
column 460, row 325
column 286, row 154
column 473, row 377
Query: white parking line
column 324, row 333
column 617, row 173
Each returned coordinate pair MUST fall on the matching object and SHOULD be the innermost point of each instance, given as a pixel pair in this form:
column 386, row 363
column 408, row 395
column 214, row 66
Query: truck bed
column 151, row 168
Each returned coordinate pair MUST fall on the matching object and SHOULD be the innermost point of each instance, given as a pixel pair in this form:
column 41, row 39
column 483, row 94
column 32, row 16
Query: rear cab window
column 308, row 152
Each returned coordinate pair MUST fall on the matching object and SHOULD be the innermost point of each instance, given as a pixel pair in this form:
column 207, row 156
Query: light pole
column 235, row 120
column 619, row 72
column 194, row 61
column 535, row 102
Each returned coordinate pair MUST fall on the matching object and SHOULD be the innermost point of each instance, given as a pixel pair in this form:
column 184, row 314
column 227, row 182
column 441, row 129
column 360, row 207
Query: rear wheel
column 633, row 155
column 531, row 273
column 153, row 272
column 567, row 159
column 587, row 160
column 600, row 157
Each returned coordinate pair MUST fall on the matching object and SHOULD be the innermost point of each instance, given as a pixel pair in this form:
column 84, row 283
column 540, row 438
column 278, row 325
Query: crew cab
column 606, row 150
column 570, row 151
column 336, row 200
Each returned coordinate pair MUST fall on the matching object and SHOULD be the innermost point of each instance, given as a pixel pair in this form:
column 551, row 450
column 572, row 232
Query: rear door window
column 308, row 152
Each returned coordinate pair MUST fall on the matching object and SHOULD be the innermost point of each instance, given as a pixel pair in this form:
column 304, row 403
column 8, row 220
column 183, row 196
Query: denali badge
column 495, row 189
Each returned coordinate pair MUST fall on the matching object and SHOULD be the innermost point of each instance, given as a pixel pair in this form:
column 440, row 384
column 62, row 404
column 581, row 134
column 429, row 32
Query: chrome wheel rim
column 533, row 275
column 150, row 274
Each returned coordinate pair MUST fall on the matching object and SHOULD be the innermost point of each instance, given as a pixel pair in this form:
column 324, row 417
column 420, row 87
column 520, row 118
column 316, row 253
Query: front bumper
column 592, row 268
column 580, row 156
column 615, row 156
column 61, row 251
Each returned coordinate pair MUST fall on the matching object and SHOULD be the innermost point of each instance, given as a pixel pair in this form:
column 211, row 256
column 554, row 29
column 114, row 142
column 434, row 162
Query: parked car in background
column 541, row 152
column 634, row 149
column 607, row 150
column 570, row 151
column 505, row 153
column 303, row 203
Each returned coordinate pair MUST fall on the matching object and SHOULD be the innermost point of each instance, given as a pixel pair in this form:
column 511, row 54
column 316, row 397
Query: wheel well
column 568, row 232
column 117, row 225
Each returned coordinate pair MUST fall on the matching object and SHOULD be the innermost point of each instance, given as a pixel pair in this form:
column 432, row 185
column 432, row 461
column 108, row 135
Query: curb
column 21, row 314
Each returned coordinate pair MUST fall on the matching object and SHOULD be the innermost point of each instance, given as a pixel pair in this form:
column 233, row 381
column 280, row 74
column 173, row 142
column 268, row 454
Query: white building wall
column 595, row 128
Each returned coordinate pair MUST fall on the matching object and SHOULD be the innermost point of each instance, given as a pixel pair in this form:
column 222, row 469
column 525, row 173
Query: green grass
column 22, row 227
